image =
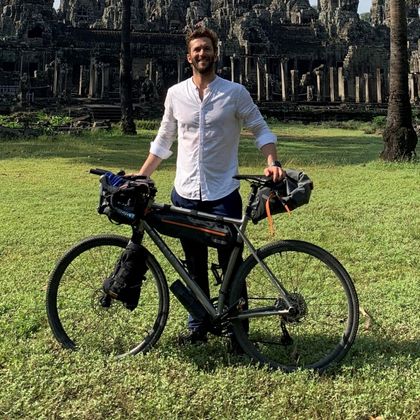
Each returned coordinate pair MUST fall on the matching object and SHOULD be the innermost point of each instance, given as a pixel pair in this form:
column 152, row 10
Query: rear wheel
column 325, row 320
column 75, row 311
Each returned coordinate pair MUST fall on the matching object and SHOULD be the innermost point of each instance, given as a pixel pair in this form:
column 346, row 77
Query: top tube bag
column 183, row 226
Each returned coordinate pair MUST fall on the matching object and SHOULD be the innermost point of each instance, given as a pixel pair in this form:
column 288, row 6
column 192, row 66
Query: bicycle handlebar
column 259, row 179
column 99, row 171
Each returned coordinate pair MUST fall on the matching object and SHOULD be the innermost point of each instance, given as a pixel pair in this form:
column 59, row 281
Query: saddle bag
column 293, row 192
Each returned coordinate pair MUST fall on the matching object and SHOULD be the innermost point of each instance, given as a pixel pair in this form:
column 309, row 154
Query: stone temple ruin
column 285, row 51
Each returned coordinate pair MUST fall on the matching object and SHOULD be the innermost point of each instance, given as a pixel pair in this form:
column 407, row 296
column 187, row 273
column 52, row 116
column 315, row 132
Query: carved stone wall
column 27, row 19
column 279, row 48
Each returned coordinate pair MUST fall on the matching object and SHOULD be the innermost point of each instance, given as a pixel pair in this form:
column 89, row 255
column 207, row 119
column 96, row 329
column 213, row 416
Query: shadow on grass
column 118, row 151
column 105, row 151
column 321, row 150
column 375, row 350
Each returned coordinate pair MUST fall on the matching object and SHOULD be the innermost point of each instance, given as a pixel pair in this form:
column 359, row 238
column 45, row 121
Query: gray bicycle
column 290, row 305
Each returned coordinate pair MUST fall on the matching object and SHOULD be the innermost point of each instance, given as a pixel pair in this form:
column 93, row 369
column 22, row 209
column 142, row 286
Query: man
column 208, row 112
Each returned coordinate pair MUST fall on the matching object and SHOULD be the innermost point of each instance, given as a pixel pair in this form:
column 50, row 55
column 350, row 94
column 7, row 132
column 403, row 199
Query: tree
column 127, row 122
column 399, row 136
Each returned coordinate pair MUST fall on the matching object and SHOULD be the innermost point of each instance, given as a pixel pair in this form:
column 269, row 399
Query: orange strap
column 269, row 216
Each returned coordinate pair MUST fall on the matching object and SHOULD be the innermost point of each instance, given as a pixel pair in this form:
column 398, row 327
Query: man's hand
column 276, row 172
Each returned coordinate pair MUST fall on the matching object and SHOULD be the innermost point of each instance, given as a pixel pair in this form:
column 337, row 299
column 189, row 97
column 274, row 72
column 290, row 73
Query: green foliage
column 31, row 119
column 345, row 125
column 366, row 212
column 365, row 16
column 377, row 126
column 147, row 124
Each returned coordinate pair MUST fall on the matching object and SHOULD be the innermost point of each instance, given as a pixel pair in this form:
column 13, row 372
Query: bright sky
column 364, row 5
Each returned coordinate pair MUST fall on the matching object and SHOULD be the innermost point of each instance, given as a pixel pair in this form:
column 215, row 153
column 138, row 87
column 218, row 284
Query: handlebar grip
column 98, row 171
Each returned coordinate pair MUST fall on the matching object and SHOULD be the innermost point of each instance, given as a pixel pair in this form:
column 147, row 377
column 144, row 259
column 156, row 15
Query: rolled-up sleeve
column 252, row 119
column 161, row 145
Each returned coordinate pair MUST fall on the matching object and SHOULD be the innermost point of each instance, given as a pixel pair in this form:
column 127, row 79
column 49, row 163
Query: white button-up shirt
column 208, row 136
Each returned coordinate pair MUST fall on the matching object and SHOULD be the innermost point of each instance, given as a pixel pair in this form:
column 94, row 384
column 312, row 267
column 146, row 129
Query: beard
column 207, row 68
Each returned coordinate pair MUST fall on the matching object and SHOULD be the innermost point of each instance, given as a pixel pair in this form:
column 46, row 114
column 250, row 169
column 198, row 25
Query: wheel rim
column 322, row 328
column 88, row 326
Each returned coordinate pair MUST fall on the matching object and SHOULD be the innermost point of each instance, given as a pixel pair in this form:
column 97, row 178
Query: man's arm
column 161, row 145
column 265, row 139
column 273, row 168
column 150, row 164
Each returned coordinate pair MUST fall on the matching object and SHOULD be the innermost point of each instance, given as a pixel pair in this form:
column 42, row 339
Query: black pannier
column 293, row 192
column 177, row 225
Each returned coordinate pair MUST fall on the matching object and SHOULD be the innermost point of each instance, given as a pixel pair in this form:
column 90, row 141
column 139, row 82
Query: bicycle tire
column 328, row 317
column 75, row 314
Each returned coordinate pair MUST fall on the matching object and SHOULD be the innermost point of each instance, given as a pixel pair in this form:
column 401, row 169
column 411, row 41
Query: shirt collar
column 210, row 86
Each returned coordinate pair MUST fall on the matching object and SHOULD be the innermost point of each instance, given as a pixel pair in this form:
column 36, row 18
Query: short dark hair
column 203, row 32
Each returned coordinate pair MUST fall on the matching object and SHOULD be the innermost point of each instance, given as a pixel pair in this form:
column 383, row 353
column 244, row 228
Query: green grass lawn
column 364, row 211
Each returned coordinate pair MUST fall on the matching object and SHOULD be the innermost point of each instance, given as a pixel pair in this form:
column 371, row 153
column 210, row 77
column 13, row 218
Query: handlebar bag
column 127, row 202
column 293, row 192
column 176, row 225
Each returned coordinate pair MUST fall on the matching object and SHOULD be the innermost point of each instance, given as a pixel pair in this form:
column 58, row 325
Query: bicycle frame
column 240, row 225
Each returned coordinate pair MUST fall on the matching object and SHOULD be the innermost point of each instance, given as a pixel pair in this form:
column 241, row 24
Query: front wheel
column 75, row 309
column 323, row 325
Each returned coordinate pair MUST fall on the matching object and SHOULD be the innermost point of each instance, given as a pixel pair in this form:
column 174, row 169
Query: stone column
column 319, row 93
column 258, row 80
column 221, row 55
column 309, row 93
column 241, row 66
column 294, row 75
column 56, row 81
column 232, row 68
column 350, row 85
column 332, row 74
column 284, row 81
column 82, row 81
column 378, row 86
column 105, row 80
column 180, row 68
column 267, row 82
column 357, row 89
column 341, row 86
column 66, row 80
column 367, row 87
column 247, row 64
column 93, row 77
column 411, row 89
column 151, row 69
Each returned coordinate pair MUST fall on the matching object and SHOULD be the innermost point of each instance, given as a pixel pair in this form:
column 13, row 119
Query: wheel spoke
column 74, row 307
column 322, row 296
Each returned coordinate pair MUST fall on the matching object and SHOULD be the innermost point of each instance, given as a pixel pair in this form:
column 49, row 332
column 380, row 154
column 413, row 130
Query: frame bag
column 211, row 233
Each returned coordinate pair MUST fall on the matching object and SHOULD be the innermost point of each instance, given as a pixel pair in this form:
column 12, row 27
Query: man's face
column 201, row 55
